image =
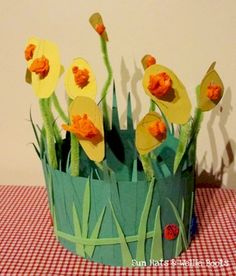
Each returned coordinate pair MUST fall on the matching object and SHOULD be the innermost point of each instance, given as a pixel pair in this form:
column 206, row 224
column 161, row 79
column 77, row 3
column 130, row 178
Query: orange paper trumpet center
column 83, row 128
column 40, row 66
column 214, row 92
column 159, row 85
column 100, row 28
column 29, row 51
column 158, row 130
column 81, row 76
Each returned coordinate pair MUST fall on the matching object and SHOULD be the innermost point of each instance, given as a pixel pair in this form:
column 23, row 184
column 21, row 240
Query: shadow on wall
column 219, row 116
column 214, row 177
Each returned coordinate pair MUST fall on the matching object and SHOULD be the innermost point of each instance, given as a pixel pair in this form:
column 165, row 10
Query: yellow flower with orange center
column 43, row 66
column 168, row 92
column 151, row 131
column 87, row 125
column 211, row 90
column 80, row 80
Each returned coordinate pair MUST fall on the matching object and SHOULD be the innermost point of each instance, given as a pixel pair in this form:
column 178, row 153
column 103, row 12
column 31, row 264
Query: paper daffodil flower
column 44, row 67
column 87, row 125
column 150, row 132
column 80, row 80
column 97, row 23
column 211, row 90
column 168, row 92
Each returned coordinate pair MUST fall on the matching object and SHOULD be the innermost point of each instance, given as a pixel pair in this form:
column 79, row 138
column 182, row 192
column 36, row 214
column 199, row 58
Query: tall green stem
column 52, row 157
column 107, row 83
column 147, row 167
column 152, row 106
column 74, row 152
column 59, row 108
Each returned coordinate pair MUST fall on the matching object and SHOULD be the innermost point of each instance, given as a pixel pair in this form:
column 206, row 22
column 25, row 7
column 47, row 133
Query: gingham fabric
column 28, row 246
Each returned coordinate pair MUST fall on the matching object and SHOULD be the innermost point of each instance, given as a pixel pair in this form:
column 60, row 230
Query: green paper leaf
column 77, row 229
column 140, row 252
column 86, row 209
column 34, row 129
column 180, row 222
column 126, row 256
column 90, row 249
column 183, row 141
column 190, row 217
column 179, row 245
column 156, row 249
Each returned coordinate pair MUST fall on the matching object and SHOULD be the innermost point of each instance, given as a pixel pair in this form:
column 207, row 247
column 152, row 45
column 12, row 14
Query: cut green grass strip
column 180, row 222
column 190, row 217
column 90, row 248
column 77, row 229
column 140, row 252
column 156, row 249
column 126, row 256
column 86, row 209
column 179, row 245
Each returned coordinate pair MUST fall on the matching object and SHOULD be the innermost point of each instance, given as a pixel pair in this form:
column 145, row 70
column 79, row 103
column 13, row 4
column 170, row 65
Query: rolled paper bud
column 171, row 231
column 98, row 25
column 29, row 51
column 81, row 76
column 147, row 61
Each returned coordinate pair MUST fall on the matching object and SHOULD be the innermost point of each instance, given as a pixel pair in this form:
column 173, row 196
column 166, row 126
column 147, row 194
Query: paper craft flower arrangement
column 162, row 145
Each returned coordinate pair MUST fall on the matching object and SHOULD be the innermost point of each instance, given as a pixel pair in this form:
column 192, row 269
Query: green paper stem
column 74, row 152
column 52, row 157
column 86, row 209
column 56, row 130
column 147, row 166
column 107, row 83
column 152, row 106
column 59, row 108
column 190, row 217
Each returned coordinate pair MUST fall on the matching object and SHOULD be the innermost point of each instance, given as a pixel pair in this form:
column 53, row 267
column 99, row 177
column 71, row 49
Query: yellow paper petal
column 212, row 66
column 72, row 89
column 45, row 87
column 144, row 141
column 85, row 105
column 178, row 109
column 204, row 103
column 96, row 19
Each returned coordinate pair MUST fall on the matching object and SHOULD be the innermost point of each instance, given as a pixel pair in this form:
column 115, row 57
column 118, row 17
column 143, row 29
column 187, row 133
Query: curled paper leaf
column 43, row 61
column 211, row 91
column 150, row 133
column 97, row 23
column 80, row 80
column 87, row 125
column 168, row 92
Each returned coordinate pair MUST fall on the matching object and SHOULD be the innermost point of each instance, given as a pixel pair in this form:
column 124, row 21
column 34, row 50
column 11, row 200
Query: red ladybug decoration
column 171, row 231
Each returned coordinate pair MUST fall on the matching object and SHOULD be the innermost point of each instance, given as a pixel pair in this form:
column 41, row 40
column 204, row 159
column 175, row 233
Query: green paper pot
column 119, row 222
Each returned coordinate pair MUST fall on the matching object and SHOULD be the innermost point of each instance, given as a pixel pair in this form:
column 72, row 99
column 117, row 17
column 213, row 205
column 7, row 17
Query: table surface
column 28, row 246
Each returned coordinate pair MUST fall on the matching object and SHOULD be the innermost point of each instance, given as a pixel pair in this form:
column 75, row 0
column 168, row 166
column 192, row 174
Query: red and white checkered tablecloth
column 28, row 246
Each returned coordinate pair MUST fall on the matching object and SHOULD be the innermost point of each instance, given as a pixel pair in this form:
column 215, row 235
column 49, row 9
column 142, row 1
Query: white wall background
column 185, row 35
